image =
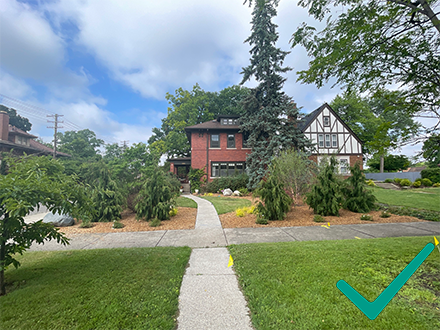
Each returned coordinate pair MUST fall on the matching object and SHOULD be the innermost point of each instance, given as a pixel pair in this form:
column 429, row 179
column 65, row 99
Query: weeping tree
column 357, row 197
column 325, row 196
column 270, row 116
column 276, row 201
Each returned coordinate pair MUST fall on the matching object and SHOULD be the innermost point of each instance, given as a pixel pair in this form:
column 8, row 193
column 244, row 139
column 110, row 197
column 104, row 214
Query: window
column 326, row 120
column 327, row 140
column 215, row 170
column 334, row 141
column 215, row 141
column 231, row 140
column 231, row 169
column 224, row 121
column 321, row 140
column 343, row 166
column 230, row 121
column 223, row 169
column 245, row 136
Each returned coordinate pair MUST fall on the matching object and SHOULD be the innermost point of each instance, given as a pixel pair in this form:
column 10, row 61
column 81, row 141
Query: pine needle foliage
column 270, row 116
column 357, row 197
column 106, row 197
column 156, row 197
column 276, row 201
column 325, row 196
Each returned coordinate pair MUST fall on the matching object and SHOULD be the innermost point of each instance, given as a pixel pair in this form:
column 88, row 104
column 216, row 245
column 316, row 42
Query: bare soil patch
column 185, row 219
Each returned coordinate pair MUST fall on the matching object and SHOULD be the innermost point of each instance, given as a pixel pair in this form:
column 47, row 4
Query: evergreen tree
column 357, row 197
column 324, row 198
column 270, row 116
column 276, row 201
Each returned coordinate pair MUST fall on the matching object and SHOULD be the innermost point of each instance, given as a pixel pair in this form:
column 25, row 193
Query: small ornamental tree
column 357, row 197
column 29, row 183
column 276, row 201
column 156, row 196
column 195, row 175
column 106, row 197
column 324, row 198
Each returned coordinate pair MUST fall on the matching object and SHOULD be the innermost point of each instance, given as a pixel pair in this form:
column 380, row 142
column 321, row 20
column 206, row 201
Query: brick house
column 19, row 141
column 220, row 147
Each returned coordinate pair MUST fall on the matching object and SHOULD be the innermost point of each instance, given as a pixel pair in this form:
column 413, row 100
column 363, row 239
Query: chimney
column 4, row 125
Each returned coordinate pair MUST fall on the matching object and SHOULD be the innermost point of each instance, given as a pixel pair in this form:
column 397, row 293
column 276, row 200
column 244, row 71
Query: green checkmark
column 373, row 309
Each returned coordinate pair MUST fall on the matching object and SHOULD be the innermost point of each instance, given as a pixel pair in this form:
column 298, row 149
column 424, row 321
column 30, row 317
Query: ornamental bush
column 388, row 180
column 405, row 182
column 325, row 196
column 426, row 182
column 417, row 184
column 276, row 201
column 357, row 197
column 432, row 174
column 236, row 182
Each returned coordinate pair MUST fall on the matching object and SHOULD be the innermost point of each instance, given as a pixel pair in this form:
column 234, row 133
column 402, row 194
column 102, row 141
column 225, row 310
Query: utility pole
column 124, row 144
column 55, row 127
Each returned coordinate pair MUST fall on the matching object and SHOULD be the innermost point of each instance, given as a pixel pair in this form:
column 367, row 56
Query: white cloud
column 13, row 87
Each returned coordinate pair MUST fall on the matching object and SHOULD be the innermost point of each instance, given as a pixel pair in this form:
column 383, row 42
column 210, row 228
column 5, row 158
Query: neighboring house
column 13, row 138
column 220, row 148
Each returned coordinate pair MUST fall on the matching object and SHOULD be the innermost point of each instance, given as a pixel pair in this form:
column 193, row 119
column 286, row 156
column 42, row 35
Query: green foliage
column 366, row 217
column 173, row 212
column 270, row 116
column 389, row 181
column 437, row 184
column 412, row 212
column 356, row 197
column 195, row 175
column 155, row 222
column 392, row 163
column 375, row 44
column 243, row 191
column 397, row 180
column 236, row 182
column 32, row 181
column 189, row 108
column 432, row 174
column 16, row 120
column 261, row 220
column 371, row 183
column 240, row 212
column 405, row 182
column 118, row 225
column 276, row 201
column 295, row 171
column 324, row 197
column 426, row 182
column 80, row 144
column 318, row 218
column 86, row 223
column 156, row 196
column 431, row 150
column 385, row 214
column 417, row 184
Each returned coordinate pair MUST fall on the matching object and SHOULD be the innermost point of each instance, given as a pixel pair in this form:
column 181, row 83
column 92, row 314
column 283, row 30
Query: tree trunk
column 381, row 163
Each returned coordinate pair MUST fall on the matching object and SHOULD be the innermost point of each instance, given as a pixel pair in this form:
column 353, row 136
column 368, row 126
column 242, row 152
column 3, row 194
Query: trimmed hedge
column 432, row 174
column 232, row 182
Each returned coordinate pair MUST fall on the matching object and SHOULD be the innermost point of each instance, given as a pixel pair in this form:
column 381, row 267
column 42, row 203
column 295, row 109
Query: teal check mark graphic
column 373, row 309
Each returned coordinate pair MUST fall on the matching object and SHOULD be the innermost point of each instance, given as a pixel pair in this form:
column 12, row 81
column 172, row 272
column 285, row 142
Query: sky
column 106, row 65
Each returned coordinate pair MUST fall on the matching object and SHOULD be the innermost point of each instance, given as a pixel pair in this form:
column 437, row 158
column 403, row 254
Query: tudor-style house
column 220, row 147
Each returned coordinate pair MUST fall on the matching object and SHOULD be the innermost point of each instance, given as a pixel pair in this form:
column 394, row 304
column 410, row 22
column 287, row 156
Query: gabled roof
column 16, row 131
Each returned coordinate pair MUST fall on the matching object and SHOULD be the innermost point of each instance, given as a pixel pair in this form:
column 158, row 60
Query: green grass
column 135, row 288
column 227, row 204
column 293, row 285
column 185, row 202
column 427, row 199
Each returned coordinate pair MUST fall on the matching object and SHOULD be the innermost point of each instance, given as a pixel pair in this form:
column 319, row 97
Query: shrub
column 243, row 191
column 417, row 184
column 117, row 225
column 426, row 182
column 261, row 220
column 251, row 209
column 173, row 212
column 195, row 175
column 385, row 214
column 240, row 212
column 276, row 201
column 388, row 180
column 418, row 180
column 420, row 214
column 232, row 182
column 405, row 182
column 318, row 218
column 397, row 180
column 432, row 174
column 357, row 197
column 86, row 223
column 155, row 222
column 366, row 217
column 437, row 184
column 325, row 197
column 371, row 183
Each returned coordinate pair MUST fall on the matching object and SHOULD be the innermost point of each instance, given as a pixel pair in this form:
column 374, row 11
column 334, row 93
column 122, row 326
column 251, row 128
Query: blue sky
column 106, row 65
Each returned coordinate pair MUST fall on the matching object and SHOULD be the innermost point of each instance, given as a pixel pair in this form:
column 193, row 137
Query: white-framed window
column 334, row 141
column 215, row 170
column 231, row 140
column 327, row 140
column 343, row 166
column 224, row 121
column 321, row 140
column 215, row 141
column 227, row 169
column 326, row 120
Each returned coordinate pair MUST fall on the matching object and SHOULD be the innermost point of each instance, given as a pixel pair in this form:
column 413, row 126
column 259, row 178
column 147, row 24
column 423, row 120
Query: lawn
column 427, row 199
column 227, row 204
column 293, row 285
column 185, row 202
column 134, row 288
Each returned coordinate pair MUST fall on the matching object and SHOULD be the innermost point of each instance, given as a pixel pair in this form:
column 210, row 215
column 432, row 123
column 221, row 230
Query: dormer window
column 229, row 121
column 21, row 140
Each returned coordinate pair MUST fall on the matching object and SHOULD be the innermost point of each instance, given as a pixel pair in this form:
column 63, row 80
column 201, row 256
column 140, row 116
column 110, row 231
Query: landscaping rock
column 59, row 220
column 236, row 193
column 227, row 192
